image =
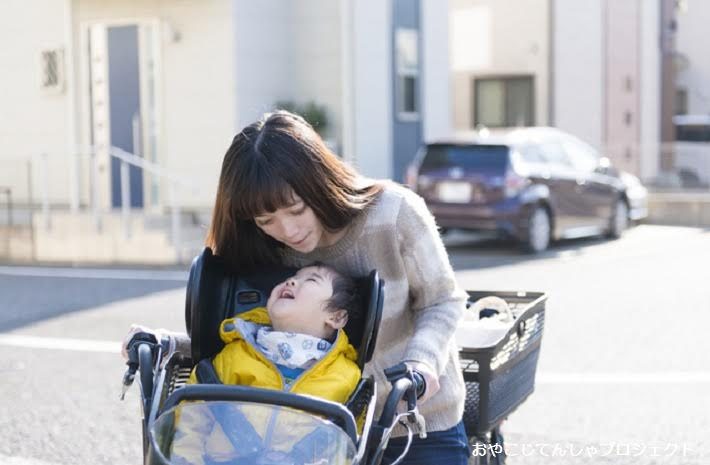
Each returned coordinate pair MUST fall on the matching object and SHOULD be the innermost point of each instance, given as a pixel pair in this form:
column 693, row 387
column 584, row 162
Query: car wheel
column 539, row 229
column 619, row 221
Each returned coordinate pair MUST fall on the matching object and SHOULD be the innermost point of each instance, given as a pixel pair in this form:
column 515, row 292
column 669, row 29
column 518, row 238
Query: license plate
column 454, row 192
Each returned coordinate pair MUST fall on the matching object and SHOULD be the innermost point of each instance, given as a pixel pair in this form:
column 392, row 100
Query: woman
column 283, row 197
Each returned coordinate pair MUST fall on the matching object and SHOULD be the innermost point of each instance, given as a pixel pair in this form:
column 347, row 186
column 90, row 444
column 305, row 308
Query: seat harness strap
column 206, row 373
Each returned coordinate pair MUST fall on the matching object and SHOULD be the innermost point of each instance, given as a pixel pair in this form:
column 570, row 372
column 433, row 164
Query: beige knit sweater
column 398, row 237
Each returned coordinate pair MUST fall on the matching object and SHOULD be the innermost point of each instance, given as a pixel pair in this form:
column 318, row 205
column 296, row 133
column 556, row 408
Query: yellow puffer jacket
column 334, row 377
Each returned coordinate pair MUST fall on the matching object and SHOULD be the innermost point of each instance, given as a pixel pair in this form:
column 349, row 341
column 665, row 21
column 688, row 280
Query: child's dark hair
column 346, row 294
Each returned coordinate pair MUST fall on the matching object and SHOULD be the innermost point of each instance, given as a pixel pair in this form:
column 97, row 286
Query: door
column 599, row 190
column 122, row 67
column 568, row 202
column 124, row 108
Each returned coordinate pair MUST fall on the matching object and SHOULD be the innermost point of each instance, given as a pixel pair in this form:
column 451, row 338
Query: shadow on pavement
column 25, row 300
column 473, row 251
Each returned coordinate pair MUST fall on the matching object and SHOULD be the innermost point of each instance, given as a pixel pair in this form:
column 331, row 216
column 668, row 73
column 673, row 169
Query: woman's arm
column 435, row 298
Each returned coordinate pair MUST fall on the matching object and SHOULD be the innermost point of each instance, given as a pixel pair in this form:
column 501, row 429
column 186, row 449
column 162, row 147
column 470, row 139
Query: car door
column 598, row 189
column 568, row 205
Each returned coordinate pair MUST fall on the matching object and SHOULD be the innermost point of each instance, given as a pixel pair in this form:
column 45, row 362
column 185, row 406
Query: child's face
column 299, row 303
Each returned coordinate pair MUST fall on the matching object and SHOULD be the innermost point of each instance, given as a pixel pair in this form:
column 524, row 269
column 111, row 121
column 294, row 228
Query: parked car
column 533, row 184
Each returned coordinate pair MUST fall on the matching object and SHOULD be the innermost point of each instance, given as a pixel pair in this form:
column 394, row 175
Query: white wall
column 435, row 86
column 622, row 83
column 578, row 69
column 371, row 100
column 31, row 121
column 334, row 53
column 691, row 41
column 498, row 38
column 287, row 51
column 317, row 45
column 264, row 63
column 196, row 86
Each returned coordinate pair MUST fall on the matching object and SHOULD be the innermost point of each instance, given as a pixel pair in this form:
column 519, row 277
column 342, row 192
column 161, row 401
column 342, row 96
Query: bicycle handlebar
column 405, row 382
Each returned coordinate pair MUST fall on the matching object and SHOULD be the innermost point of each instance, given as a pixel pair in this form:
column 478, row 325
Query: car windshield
column 248, row 433
column 469, row 157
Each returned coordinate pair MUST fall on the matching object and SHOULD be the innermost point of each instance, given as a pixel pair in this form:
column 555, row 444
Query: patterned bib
column 293, row 350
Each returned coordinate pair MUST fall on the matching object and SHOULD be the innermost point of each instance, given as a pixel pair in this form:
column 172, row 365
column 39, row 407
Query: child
column 296, row 343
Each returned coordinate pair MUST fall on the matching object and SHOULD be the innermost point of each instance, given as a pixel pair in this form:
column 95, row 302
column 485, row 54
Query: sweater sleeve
column 436, row 300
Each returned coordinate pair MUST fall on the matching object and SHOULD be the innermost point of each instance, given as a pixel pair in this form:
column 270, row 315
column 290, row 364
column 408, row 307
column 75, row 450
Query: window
column 692, row 128
column 504, row 102
column 692, row 132
column 407, row 62
column 532, row 154
column 553, row 153
column 681, row 101
column 582, row 156
column 472, row 157
column 52, row 71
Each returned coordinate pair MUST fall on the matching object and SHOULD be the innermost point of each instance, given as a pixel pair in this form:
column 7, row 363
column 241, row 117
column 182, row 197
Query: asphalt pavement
column 623, row 377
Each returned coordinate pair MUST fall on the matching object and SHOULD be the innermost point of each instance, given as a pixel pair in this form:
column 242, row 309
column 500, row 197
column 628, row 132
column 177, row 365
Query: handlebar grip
column 405, row 382
column 145, row 366
column 138, row 339
column 419, row 383
column 401, row 370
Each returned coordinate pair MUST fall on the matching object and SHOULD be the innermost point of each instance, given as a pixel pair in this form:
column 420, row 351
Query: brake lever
column 128, row 377
column 418, row 420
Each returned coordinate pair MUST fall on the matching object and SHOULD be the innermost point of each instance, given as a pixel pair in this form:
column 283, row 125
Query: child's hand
column 430, row 377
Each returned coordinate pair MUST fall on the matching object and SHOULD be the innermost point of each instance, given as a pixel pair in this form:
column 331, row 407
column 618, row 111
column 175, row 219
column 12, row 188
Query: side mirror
column 605, row 167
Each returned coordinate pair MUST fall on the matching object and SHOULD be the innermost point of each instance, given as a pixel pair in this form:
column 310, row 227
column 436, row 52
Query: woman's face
column 295, row 225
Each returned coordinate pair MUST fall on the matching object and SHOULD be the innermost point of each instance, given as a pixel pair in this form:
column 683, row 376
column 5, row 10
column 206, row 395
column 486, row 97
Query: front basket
column 501, row 377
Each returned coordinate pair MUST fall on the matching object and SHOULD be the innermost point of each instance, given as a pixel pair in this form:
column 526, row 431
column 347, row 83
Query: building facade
column 588, row 67
column 172, row 82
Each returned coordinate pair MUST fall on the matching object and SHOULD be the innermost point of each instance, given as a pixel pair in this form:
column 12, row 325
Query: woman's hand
column 158, row 333
column 430, row 377
column 132, row 331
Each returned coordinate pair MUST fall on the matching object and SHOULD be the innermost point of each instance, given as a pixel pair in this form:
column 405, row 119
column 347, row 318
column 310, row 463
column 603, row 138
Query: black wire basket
column 499, row 378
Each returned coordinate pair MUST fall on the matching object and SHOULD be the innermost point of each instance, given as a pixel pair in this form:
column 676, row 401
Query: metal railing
column 7, row 191
column 126, row 160
column 129, row 159
column 677, row 165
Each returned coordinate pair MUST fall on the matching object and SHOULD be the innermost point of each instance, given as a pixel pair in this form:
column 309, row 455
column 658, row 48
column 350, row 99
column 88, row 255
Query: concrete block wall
column 679, row 208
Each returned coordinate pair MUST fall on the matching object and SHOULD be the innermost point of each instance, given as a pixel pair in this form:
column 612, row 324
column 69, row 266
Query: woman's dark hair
column 267, row 163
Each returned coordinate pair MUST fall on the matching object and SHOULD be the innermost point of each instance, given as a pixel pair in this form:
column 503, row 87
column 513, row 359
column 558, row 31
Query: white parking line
column 94, row 273
column 9, row 460
column 14, row 460
column 677, row 377
column 54, row 343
